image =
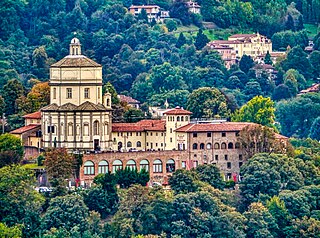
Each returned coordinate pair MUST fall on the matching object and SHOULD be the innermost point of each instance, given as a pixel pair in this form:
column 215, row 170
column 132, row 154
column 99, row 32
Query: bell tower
column 75, row 47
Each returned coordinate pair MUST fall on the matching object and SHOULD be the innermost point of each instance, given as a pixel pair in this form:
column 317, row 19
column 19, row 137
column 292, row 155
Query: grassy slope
column 312, row 30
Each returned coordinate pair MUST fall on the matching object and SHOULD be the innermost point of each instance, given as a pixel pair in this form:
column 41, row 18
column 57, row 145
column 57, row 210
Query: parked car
column 43, row 189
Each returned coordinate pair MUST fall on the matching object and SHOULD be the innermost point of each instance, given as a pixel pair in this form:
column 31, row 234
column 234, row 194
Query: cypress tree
column 201, row 40
column 290, row 23
column 181, row 40
column 267, row 58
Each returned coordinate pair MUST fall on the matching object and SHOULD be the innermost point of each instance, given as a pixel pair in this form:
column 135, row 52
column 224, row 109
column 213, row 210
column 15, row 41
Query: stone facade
column 160, row 164
column 78, row 117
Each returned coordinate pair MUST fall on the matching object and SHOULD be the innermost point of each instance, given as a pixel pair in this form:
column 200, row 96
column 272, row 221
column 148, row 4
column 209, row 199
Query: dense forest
column 156, row 62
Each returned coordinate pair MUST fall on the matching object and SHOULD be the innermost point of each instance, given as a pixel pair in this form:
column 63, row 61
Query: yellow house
column 253, row 45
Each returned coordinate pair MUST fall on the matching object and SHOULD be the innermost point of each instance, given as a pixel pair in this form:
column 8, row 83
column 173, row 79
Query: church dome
column 75, row 41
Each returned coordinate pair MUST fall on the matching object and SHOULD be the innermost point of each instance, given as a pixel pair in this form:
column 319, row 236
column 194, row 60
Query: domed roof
column 75, row 41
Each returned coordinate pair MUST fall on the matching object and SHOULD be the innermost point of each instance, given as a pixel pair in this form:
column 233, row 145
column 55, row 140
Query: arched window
column 131, row 165
column 70, row 129
column 96, row 128
column 178, row 118
column 103, row 167
column 116, row 165
column 129, row 144
column 170, row 166
column 202, row 146
column 186, row 117
column 223, row 146
column 89, row 168
column 157, row 166
column 230, row 145
column 209, row 146
column 144, row 164
column 216, row 146
column 237, row 145
column 182, row 118
column 138, row 143
column 195, row 146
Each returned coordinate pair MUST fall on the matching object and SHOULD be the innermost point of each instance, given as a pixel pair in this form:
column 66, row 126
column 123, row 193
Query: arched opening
column 131, row 164
column 89, row 168
column 170, row 166
column 202, row 146
column 70, row 129
column 119, row 145
column 237, row 145
column 157, row 166
column 129, row 144
column 103, row 167
column 116, row 165
column 209, row 146
column 216, row 146
column 223, row 146
column 178, row 118
column 96, row 128
column 182, row 118
column 230, row 145
column 138, row 143
column 144, row 164
column 195, row 146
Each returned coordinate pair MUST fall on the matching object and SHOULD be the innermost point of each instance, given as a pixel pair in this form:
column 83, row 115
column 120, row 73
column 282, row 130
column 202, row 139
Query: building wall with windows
column 160, row 164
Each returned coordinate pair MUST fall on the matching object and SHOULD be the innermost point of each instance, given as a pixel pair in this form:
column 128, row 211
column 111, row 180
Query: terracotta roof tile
column 177, row 111
column 143, row 125
column 25, row 129
column 214, row 127
column 127, row 99
column 34, row 115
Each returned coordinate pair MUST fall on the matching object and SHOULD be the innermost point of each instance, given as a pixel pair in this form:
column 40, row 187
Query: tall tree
column 179, row 9
column 181, row 40
column 267, row 58
column 246, row 63
column 258, row 110
column 20, row 203
column 290, row 23
column 59, row 165
column 260, row 223
column 11, row 150
column 201, row 40
column 315, row 129
column 208, row 102
column 10, row 92
column 66, row 212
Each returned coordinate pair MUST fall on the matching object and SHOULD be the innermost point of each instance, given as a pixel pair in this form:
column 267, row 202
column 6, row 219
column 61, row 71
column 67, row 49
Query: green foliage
column 171, row 25
column 126, row 177
column 265, row 175
column 66, row 212
column 10, row 232
column 201, row 40
column 281, row 40
column 297, row 115
column 208, row 102
column 133, row 115
column 260, row 222
column 20, row 203
column 179, row 9
column 304, row 228
column 59, row 165
column 315, row 129
column 210, row 174
column 246, row 63
column 258, row 110
column 10, row 92
column 11, row 150
column 267, row 58
column 183, row 181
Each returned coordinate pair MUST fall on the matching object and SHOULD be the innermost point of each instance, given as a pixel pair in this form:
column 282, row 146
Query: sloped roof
column 144, row 6
column 76, row 61
column 67, row 107
column 89, row 106
column 34, row 115
column 127, row 99
column 140, row 126
column 177, row 111
column 86, row 106
column 214, row 127
column 50, row 107
column 25, row 129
